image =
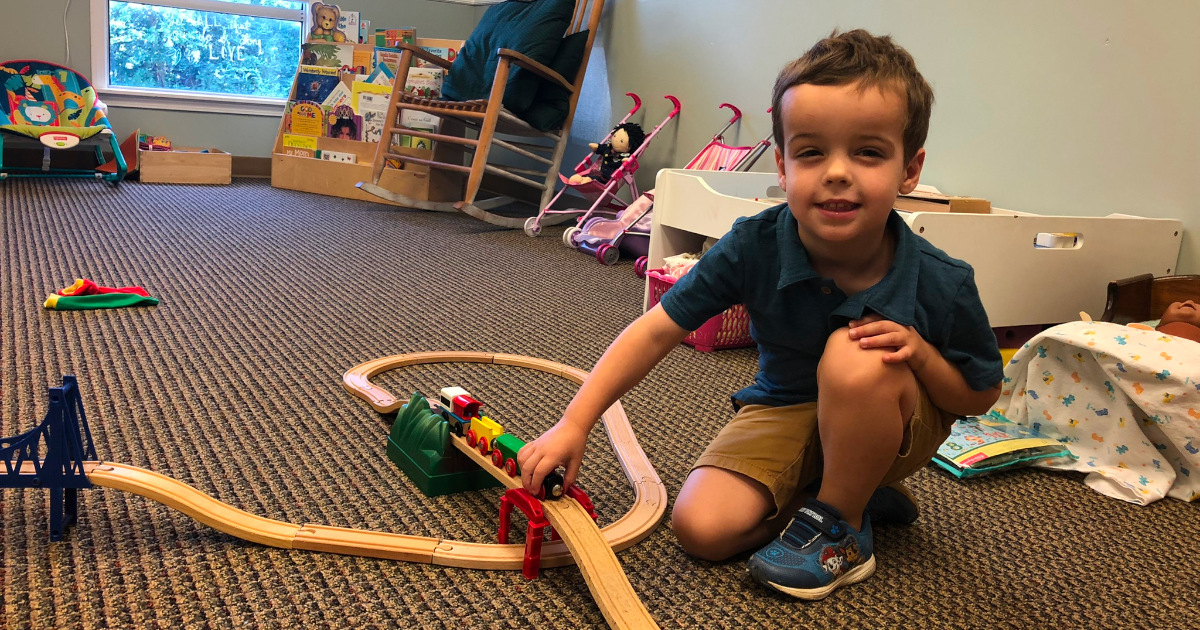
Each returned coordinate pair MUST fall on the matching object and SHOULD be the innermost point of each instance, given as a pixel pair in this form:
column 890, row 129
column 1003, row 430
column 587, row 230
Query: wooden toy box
column 185, row 165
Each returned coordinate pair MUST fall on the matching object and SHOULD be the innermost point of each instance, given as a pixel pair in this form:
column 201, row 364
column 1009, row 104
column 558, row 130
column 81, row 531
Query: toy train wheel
column 472, row 439
column 569, row 237
column 498, row 459
column 510, row 467
column 608, row 255
column 639, row 266
column 483, row 446
column 532, row 229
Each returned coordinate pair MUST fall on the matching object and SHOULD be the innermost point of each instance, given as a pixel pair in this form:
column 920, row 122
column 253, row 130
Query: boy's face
column 842, row 163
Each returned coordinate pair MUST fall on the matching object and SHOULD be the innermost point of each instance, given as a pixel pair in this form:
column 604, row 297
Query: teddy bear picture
column 325, row 23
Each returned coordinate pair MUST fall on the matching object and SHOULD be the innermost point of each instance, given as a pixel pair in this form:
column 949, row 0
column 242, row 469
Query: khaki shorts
column 780, row 447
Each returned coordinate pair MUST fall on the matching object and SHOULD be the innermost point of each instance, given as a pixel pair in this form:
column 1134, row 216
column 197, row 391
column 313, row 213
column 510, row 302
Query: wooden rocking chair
column 462, row 148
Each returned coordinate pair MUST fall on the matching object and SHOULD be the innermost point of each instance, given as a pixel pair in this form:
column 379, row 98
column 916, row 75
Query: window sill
column 177, row 101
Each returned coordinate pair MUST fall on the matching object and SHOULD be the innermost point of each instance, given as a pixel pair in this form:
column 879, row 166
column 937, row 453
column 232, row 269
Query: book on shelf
column 418, row 121
column 340, row 56
column 340, row 95
column 305, row 118
column 337, row 156
column 315, row 83
column 445, row 48
column 989, row 443
column 373, row 109
column 358, row 88
column 424, row 83
column 390, row 37
column 348, row 23
column 343, row 123
column 301, row 146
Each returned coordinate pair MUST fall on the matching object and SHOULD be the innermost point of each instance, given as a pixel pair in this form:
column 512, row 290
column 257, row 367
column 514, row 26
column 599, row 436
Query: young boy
column 871, row 341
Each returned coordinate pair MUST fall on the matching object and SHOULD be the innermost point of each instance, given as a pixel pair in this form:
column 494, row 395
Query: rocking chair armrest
column 424, row 55
column 534, row 67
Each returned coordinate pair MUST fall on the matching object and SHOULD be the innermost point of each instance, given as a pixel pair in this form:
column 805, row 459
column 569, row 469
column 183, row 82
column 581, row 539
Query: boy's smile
column 842, row 165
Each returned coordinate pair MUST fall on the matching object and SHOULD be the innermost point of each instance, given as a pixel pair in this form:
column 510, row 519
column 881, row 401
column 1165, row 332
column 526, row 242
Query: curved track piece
column 478, row 210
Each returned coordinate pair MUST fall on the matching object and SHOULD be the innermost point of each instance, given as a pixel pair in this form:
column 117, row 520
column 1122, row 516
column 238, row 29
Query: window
column 199, row 55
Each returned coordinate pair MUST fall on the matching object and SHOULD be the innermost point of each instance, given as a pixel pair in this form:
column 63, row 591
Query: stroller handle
column 673, row 111
column 737, row 113
column 637, row 103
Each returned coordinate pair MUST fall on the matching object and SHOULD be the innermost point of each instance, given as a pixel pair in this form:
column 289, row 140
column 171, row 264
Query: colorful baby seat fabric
column 1124, row 400
column 85, row 295
column 39, row 97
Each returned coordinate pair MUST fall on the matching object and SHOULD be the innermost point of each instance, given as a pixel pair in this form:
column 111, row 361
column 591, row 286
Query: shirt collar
column 894, row 297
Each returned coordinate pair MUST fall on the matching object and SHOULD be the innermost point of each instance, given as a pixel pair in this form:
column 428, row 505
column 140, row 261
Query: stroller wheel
column 607, row 254
column 639, row 266
column 532, row 229
column 568, row 237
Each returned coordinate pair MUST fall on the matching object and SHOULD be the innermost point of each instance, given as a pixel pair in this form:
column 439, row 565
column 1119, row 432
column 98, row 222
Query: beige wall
column 1067, row 107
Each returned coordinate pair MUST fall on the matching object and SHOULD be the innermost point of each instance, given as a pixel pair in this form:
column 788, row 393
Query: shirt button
column 826, row 290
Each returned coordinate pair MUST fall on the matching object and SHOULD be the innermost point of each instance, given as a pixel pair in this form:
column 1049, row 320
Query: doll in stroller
column 629, row 231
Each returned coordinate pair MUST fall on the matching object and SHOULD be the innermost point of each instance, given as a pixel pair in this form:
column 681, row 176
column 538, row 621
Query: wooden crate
column 185, row 165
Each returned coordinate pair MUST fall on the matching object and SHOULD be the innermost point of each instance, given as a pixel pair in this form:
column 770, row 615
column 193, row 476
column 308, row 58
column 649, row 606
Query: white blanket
column 1125, row 401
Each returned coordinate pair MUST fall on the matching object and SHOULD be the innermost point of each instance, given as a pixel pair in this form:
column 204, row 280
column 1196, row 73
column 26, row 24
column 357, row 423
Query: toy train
column 465, row 416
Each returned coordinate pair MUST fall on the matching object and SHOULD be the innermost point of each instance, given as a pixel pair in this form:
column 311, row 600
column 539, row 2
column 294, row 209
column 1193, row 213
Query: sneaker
column 817, row 553
column 892, row 504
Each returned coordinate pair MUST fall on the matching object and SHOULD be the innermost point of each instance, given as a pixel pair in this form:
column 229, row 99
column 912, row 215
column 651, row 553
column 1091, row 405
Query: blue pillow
column 534, row 28
column 549, row 109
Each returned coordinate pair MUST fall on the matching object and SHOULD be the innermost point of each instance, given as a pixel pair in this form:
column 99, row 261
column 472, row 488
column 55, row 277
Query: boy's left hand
column 873, row 331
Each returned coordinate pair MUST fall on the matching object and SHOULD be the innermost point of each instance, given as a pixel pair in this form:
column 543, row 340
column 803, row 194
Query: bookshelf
column 294, row 169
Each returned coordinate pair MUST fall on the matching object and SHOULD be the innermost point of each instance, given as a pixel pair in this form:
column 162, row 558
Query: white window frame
column 180, row 100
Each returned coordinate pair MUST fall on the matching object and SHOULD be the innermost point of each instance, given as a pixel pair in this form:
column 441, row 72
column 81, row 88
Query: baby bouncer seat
column 52, row 107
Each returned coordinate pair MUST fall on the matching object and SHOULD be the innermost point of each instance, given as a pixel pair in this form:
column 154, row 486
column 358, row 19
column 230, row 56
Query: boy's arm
column 626, row 362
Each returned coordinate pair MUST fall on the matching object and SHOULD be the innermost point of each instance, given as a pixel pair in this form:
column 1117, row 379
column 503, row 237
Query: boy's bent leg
column 863, row 409
column 720, row 513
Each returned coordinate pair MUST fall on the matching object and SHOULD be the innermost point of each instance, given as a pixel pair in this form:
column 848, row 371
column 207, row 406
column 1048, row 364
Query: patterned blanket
column 1125, row 401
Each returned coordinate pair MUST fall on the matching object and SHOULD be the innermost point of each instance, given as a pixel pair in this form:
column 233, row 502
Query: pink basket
column 730, row 329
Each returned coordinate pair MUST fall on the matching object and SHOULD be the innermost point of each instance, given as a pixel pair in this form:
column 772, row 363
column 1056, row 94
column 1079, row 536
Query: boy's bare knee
column 846, row 368
column 700, row 535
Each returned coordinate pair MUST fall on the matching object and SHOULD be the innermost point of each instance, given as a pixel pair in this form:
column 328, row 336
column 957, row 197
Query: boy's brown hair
column 871, row 61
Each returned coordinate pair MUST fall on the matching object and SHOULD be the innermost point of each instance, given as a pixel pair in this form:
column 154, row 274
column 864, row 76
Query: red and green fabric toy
column 87, row 295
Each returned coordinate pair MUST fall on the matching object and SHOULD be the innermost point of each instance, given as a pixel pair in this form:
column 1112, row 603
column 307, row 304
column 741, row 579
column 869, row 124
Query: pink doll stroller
column 603, row 193
column 629, row 231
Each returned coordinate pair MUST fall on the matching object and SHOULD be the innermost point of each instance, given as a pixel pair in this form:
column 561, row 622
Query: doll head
column 1181, row 319
column 627, row 137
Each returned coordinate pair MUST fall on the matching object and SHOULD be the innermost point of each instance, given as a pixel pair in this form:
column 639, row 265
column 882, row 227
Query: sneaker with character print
column 817, row 553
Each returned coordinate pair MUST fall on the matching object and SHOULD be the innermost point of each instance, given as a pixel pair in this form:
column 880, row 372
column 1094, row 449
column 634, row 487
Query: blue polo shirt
column 793, row 310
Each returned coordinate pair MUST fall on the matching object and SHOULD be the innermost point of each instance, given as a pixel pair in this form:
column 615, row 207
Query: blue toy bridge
column 52, row 456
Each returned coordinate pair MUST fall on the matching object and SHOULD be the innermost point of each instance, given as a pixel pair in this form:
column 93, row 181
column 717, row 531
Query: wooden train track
column 583, row 543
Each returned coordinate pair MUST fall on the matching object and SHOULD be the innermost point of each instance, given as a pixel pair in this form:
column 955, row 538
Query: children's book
column 445, row 48
column 418, row 121
column 305, row 118
column 390, row 37
column 315, row 83
column 424, row 83
column 340, row 95
column 359, row 87
column 984, row 444
column 343, row 123
column 373, row 109
column 302, row 146
column 387, row 57
column 328, row 55
column 337, row 156
column 348, row 24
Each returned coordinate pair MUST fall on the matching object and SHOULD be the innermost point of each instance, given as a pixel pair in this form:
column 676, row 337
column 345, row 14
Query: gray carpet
column 233, row 385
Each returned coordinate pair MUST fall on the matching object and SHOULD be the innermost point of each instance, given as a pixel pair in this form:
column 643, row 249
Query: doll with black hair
column 622, row 142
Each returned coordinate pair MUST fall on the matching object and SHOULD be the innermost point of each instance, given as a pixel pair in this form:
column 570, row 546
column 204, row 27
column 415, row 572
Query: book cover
column 305, row 118
column 359, row 87
column 445, row 48
column 340, row 56
column 389, row 37
column 343, row 123
column 988, row 443
column 425, row 83
column 387, row 57
column 373, row 109
column 336, row 156
column 348, row 24
column 302, row 146
column 418, row 121
column 315, row 83
column 340, row 95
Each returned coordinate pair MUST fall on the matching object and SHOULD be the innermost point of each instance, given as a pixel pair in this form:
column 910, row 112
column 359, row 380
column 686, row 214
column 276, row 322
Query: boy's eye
column 807, row 153
column 871, row 152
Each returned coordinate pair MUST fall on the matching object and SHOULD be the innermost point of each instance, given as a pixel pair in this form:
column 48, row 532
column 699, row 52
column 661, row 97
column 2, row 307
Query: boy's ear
column 912, row 172
column 782, row 173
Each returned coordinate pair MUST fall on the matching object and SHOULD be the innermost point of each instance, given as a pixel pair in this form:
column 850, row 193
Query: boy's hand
column 562, row 445
column 873, row 331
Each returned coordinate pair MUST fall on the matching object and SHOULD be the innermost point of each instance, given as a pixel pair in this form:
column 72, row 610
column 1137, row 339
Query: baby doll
column 1181, row 319
column 624, row 140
